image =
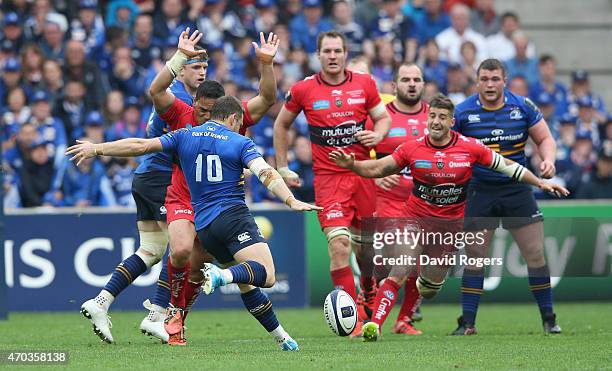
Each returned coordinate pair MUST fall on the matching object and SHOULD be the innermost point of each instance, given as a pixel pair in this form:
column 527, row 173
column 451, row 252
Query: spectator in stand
column 546, row 102
column 72, row 109
column 145, row 48
column 126, row 76
column 32, row 60
column 94, row 129
column 19, row 150
column 434, row 69
column 121, row 173
column 431, row 22
column 450, row 40
column 113, row 108
column 468, row 59
column 131, row 125
column 295, row 68
column 115, row 37
column 11, row 78
column 77, row 67
column 588, row 120
column 598, row 183
column 548, row 83
column 457, row 83
column 567, row 136
column 484, row 19
column 500, row 45
column 302, row 166
column 41, row 12
column 219, row 26
column 581, row 87
column 121, row 13
column 266, row 18
column 607, row 129
column 575, row 167
column 518, row 85
column 50, row 128
column 53, row 44
column 385, row 63
column 366, row 12
column 392, row 25
column 344, row 22
column 88, row 27
column 13, row 31
column 521, row 64
column 305, row 27
column 53, row 81
column 36, row 175
column 17, row 113
column 430, row 90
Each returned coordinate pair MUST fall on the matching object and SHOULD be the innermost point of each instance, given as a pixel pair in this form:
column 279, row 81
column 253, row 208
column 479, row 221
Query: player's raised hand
column 342, row 159
column 290, row 177
column 547, row 169
column 554, row 189
column 368, row 138
column 388, row 182
column 81, row 151
column 297, row 205
column 266, row 52
column 187, row 43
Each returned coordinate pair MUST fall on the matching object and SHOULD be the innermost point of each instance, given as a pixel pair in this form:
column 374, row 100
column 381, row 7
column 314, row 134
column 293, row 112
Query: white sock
column 279, row 334
column 227, row 275
column 105, row 299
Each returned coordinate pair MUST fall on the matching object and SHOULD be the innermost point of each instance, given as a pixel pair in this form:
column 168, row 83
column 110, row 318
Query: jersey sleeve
column 372, row 95
column 247, row 120
column 170, row 141
column 173, row 114
column 534, row 115
column 402, row 155
column 293, row 99
column 458, row 125
column 249, row 152
column 483, row 155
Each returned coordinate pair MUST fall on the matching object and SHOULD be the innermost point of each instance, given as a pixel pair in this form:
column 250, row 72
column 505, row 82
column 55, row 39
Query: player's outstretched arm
column 520, row 173
column 547, row 148
column 162, row 99
column 260, row 104
column 274, row 182
column 281, row 146
column 129, row 147
column 369, row 168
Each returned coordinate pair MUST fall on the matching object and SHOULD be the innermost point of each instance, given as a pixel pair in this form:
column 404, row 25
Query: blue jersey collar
column 492, row 109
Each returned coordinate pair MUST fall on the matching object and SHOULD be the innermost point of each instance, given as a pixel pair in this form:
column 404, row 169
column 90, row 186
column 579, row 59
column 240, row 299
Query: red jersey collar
column 348, row 77
column 451, row 142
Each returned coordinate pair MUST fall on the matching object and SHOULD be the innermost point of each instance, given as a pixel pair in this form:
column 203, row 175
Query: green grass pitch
column 510, row 337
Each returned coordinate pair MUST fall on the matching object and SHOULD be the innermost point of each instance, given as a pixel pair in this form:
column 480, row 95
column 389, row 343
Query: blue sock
column 471, row 290
column 162, row 292
column 249, row 272
column 125, row 273
column 260, row 307
column 539, row 284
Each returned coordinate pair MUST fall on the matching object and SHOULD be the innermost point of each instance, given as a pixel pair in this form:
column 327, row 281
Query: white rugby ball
column 340, row 312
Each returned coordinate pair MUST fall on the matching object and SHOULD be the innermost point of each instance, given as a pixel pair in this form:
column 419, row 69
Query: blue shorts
column 233, row 230
column 513, row 203
column 149, row 191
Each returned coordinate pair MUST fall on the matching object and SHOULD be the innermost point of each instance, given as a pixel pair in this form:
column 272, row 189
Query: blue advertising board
column 57, row 261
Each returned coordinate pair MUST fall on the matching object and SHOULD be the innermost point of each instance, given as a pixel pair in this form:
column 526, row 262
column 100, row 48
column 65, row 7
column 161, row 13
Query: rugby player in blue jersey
column 213, row 156
column 504, row 122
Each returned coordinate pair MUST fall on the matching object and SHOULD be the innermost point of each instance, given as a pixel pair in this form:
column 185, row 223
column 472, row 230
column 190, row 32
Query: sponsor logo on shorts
column 183, row 211
column 244, row 237
column 537, row 214
column 459, row 164
column 162, row 210
column 422, row 164
column 389, row 294
column 334, row 214
column 356, row 101
column 320, row 104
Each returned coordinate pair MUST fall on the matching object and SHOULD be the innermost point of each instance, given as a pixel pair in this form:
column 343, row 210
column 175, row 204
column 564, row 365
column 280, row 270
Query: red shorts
column 346, row 199
column 387, row 207
column 176, row 210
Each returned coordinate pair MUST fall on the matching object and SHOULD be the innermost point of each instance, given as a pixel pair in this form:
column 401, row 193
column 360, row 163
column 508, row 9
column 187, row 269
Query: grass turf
column 510, row 337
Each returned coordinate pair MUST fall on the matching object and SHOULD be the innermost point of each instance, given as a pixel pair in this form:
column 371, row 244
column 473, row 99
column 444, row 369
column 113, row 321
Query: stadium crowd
column 81, row 69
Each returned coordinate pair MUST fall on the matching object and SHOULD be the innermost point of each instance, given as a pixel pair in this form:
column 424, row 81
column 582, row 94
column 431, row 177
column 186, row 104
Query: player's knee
column 152, row 247
column 339, row 246
column 244, row 288
column 270, row 277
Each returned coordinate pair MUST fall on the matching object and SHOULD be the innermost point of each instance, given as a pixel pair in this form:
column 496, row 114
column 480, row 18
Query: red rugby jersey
column 181, row 115
column 405, row 127
column 441, row 174
column 334, row 114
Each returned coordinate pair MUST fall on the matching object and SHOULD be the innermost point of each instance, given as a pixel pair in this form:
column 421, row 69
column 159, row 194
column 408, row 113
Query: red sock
column 178, row 279
column 385, row 299
column 343, row 279
column 411, row 301
column 367, row 283
column 192, row 290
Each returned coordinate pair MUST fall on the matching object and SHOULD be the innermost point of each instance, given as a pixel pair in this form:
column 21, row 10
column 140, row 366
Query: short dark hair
column 210, row 89
column 406, row 64
column 545, row 58
column 333, row 35
column 491, row 64
column 224, row 107
column 512, row 15
column 442, row 101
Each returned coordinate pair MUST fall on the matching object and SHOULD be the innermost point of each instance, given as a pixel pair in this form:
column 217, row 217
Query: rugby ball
column 340, row 312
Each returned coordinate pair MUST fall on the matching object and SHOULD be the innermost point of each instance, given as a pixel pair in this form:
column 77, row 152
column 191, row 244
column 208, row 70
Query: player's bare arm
column 382, row 125
column 547, row 148
column 274, row 182
column 162, row 98
column 369, row 168
column 520, row 173
column 281, row 145
column 260, row 104
column 129, row 147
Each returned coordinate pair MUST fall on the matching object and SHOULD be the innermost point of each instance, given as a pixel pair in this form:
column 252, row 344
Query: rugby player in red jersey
column 185, row 282
column 441, row 165
column 336, row 103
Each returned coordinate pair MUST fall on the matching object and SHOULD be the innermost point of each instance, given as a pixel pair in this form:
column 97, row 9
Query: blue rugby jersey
column 212, row 158
column 504, row 130
column 157, row 127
